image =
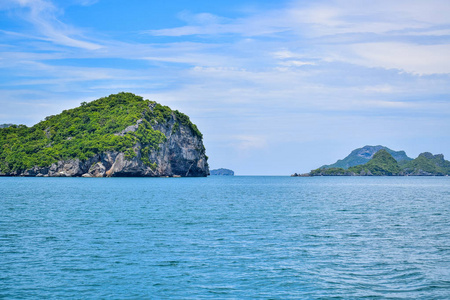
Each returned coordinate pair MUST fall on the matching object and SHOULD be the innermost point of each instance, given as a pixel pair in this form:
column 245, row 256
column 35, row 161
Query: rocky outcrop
column 182, row 154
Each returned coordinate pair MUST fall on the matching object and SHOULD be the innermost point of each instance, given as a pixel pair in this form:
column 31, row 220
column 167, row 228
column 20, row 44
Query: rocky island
column 119, row 135
column 222, row 172
column 382, row 161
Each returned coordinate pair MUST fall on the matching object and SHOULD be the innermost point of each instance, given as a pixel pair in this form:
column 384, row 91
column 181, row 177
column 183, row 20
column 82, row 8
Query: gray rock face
column 182, row 154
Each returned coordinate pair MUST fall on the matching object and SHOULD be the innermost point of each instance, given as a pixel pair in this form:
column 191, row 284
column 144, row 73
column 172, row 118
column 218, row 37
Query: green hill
column 428, row 164
column 121, row 123
column 381, row 164
column 363, row 155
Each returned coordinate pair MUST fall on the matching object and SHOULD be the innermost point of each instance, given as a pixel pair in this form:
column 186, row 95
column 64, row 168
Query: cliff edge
column 116, row 136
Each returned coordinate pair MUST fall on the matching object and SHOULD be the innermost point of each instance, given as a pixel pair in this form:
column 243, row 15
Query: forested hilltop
column 122, row 134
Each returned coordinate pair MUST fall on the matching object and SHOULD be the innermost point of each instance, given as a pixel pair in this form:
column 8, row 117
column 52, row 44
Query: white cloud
column 286, row 54
column 381, row 16
column 322, row 18
column 358, row 32
column 296, row 63
column 87, row 2
column 417, row 59
column 250, row 142
column 42, row 15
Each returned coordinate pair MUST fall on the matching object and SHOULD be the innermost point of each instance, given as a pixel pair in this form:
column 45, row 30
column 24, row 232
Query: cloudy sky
column 276, row 87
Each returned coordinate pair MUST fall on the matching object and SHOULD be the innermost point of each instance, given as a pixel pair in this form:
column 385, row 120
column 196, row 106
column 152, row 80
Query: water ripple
column 217, row 238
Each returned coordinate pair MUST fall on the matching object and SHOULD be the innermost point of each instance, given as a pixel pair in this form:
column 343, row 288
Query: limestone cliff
column 161, row 144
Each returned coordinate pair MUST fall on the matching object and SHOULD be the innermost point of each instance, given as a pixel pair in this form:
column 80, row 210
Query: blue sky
column 276, row 87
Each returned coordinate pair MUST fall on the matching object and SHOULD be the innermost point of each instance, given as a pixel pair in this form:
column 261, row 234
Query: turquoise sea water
column 225, row 237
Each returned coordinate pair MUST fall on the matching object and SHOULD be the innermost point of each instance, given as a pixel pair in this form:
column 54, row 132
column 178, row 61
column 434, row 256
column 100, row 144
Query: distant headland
column 222, row 172
column 382, row 161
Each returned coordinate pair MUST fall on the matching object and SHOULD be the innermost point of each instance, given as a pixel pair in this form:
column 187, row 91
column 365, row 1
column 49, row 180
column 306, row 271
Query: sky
column 276, row 87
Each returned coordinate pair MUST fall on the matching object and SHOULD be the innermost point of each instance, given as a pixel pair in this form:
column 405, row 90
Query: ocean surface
column 225, row 238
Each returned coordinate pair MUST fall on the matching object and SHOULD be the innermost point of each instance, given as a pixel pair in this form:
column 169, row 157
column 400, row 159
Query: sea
column 241, row 237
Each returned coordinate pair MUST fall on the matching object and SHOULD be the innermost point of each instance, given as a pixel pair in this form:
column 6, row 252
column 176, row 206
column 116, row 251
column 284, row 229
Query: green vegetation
column 85, row 131
column 329, row 172
column 363, row 155
column 184, row 120
column 428, row 163
column 175, row 127
column 160, row 114
column 382, row 163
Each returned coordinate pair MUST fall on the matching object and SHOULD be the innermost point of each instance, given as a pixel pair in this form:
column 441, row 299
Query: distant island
column 222, row 172
column 363, row 155
column 118, row 135
column 382, row 161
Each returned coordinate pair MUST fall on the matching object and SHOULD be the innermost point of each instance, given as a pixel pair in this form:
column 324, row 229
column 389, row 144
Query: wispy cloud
column 413, row 58
column 42, row 15
column 250, row 142
column 321, row 18
column 87, row 2
column 339, row 30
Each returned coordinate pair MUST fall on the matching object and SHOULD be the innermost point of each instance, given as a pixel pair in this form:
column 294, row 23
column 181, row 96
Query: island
column 222, row 172
column 362, row 155
column 380, row 161
column 116, row 136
